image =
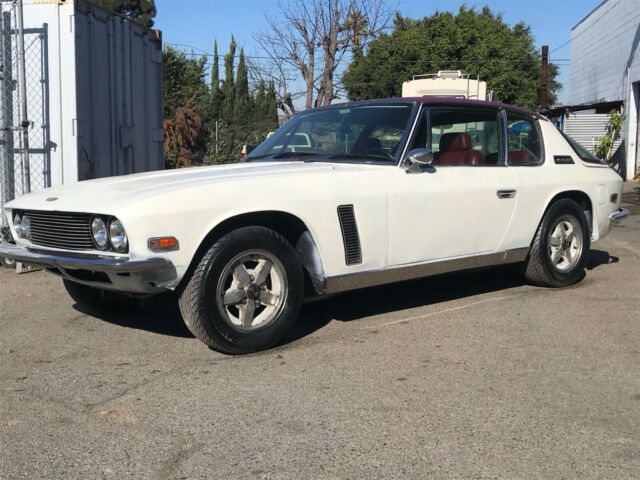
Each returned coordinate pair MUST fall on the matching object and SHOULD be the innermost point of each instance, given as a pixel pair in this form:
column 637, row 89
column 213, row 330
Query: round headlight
column 118, row 236
column 26, row 226
column 17, row 224
column 99, row 232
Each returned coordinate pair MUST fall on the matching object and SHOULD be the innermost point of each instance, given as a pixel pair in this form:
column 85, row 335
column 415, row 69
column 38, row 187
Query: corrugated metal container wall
column 119, row 92
column 101, row 100
column 587, row 129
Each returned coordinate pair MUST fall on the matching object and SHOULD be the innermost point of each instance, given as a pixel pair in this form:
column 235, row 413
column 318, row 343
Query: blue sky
column 196, row 23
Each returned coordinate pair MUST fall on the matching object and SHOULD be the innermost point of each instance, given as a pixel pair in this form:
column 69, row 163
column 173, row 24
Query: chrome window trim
column 428, row 108
column 403, row 159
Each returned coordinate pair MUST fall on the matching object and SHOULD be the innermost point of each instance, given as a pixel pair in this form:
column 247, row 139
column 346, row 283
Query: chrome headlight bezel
column 26, row 226
column 17, row 224
column 21, row 225
column 118, row 236
column 99, row 232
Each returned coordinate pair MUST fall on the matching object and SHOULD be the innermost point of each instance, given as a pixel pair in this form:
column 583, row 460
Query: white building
column 605, row 66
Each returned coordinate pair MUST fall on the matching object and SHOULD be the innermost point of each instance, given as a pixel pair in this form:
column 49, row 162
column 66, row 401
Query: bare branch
column 324, row 33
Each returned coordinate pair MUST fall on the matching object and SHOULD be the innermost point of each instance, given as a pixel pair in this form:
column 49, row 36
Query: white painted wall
column 605, row 64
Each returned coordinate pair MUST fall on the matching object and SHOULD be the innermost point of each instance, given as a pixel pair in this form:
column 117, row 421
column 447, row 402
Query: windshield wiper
column 347, row 156
column 279, row 156
column 295, row 155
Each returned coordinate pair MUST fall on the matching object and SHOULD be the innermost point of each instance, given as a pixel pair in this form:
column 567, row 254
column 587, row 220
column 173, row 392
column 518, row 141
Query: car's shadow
column 163, row 317
column 160, row 316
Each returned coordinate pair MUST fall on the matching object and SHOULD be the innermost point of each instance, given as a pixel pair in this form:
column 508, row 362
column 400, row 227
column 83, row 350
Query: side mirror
column 418, row 158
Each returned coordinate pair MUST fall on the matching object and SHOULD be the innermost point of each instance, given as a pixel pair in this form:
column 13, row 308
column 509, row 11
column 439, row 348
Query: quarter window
column 524, row 143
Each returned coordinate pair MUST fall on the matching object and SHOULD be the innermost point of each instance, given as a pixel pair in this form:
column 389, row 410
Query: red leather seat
column 457, row 149
column 518, row 156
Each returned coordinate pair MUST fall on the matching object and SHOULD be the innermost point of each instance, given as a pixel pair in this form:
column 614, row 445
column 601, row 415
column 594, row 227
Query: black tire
column 98, row 301
column 203, row 313
column 6, row 263
column 539, row 267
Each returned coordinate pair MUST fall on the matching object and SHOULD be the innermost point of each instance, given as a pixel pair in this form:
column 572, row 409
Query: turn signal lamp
column 163, row 244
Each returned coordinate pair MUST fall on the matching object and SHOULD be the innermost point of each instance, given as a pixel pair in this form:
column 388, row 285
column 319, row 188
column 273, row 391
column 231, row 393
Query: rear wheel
column 245, row 293
column 99, row 301
column 559, row 252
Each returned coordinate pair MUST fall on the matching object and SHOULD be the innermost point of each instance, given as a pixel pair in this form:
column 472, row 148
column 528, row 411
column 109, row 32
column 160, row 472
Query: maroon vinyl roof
column 443, row 100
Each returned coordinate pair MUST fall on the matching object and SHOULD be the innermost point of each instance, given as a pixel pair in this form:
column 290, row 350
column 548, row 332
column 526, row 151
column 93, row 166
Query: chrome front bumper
column 120, row 274
column 619, row 214
column 93, row 263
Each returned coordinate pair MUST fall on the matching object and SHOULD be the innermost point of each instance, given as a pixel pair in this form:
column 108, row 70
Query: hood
column 102, row 195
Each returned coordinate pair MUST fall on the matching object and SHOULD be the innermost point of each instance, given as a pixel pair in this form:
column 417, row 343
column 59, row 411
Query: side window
column 464, row 136
column 524, row 143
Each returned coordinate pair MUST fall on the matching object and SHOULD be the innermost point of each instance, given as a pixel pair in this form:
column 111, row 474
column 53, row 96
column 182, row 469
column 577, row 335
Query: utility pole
column 544, row 78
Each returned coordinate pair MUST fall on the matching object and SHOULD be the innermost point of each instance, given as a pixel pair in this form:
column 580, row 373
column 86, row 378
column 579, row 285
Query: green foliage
column 604, row 149
column 141, row 11
column 215, row 101
column 476, row 42
column 185, row 97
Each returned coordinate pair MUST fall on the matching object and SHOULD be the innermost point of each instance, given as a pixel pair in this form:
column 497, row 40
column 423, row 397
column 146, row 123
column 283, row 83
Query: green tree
column 216, row 100
column 260, row 102
column 185, row 96
column 271, row 107
column 227, row 112
column 476, row 42
column 216, row 92
column 243, row 112
column 141, row 11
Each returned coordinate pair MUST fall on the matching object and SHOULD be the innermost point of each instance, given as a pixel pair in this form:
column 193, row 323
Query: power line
column 580, row 33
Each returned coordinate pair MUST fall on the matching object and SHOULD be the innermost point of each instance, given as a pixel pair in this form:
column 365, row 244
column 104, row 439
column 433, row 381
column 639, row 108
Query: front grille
column 350, row 237
column 68, row 231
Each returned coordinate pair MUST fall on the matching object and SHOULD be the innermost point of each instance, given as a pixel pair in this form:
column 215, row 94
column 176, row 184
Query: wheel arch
column 581, row 198
column 290, row 226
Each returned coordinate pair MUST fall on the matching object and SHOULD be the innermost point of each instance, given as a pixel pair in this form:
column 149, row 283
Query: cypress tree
column 242, row 106
column 271, row 107
column 261, row 124
column 216, row 93
column 228, row 92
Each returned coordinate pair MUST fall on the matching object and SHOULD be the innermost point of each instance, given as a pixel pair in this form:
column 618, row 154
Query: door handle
column 506, row 193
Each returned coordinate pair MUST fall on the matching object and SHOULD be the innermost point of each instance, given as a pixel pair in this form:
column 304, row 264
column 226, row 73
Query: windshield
column 584, row 154
column 366, row 133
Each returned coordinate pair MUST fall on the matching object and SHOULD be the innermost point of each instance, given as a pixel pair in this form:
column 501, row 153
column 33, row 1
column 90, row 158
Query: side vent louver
column 352, row 252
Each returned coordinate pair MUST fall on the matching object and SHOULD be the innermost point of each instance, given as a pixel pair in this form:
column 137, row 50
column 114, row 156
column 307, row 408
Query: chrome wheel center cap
column 253, row 291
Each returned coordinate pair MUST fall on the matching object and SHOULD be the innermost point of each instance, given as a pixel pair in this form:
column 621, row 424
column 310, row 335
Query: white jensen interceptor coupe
column 383, row 191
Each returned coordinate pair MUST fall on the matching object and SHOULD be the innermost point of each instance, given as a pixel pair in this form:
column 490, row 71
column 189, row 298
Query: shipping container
column 93, row 90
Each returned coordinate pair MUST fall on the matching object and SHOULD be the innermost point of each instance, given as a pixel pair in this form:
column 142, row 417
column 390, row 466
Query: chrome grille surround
column 63, row 230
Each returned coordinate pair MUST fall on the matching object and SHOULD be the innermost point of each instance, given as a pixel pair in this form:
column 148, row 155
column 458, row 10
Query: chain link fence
column 25, row 146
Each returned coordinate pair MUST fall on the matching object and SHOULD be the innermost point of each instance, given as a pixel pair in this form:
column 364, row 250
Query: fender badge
column 52, row 199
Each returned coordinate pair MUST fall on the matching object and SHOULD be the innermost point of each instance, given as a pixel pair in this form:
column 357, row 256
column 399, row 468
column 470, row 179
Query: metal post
column 22, row 80
column 544, row 83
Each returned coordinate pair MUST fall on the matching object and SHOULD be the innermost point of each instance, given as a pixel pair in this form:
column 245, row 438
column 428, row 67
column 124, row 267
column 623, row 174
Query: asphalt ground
column 470, row 375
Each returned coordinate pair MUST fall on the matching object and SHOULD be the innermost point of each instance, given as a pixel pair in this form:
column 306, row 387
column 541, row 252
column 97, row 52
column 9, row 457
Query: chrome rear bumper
column 619, row 214
column 93, row 263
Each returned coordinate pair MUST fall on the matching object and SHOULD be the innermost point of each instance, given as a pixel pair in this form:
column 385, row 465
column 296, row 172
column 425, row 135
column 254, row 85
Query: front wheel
column 245, row 293
column 559, row 251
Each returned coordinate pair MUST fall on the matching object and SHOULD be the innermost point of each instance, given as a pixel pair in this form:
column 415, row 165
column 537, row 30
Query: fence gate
column 25, row 145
